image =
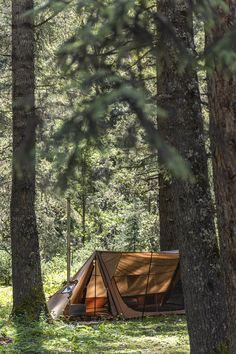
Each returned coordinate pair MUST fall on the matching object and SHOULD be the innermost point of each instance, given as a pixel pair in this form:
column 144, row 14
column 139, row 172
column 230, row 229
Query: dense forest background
column 114, row 185
column 127, row 109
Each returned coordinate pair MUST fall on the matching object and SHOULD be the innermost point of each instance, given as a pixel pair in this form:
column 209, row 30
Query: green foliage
column 54, row 273
column 111, row 175
column 111, row 60
column 101, row 103
column 221, row 52
column 5, row 268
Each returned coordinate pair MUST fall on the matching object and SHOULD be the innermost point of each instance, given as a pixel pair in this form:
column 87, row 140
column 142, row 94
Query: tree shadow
column 29, row 336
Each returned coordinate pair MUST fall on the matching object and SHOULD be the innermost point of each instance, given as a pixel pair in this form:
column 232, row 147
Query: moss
column 32, row 307
column 223, row 348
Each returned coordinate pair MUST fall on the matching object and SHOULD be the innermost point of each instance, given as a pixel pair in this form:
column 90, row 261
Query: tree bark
column 186, row 210
column 28, row 295
column 169, row 228
column 222, row 110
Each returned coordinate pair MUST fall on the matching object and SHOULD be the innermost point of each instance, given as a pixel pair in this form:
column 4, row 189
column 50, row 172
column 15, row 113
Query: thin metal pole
column 144, row 305
column 68, row 211
column 95, row 287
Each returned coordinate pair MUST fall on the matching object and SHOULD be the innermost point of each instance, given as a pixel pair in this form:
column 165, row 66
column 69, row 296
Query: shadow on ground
column 28, row 337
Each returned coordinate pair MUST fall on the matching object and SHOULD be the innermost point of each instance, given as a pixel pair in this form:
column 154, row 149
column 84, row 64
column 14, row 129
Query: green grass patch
column 167, row 335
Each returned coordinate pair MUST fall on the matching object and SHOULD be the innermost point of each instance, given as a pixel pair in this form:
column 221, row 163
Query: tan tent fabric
column 82, row 278
column 135, row 270
column 96, row 279
column 58, row 302
column 111, row 259
column 122, row 309
column 121, row 284
column 136, row 285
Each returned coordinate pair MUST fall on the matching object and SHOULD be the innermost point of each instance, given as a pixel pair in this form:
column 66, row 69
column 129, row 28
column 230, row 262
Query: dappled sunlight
column 152, row 335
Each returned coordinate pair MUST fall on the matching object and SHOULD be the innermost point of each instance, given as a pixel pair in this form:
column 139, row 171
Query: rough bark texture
column 222, row 106
column 187, row 208
column 169, row 225
column 28, row 296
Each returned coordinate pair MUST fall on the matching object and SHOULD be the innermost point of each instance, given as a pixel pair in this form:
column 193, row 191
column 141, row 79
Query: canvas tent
column 124, row 284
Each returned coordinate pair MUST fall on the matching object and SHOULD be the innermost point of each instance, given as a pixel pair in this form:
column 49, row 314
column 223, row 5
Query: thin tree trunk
column 84, row 197
column 187, row 208
column 222, row 110
column 83, row 218
column 28, row 296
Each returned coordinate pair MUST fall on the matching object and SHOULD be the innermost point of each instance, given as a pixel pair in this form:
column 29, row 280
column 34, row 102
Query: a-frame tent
column 124, row 284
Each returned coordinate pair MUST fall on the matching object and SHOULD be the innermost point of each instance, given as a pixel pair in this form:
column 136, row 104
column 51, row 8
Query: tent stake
column 68, row 209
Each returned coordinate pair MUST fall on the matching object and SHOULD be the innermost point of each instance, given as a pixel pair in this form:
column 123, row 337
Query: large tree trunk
column 169, row 225
column 222, row 109
column 187, row 207
column 28, row 296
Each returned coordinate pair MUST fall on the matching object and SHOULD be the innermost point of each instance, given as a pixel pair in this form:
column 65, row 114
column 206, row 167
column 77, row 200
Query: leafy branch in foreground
column 110, row 59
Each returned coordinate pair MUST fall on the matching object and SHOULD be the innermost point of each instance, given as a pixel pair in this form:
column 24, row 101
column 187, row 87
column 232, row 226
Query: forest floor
column 165, row 335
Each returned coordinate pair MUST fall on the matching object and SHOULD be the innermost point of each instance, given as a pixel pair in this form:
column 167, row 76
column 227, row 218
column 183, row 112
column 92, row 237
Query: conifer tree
column 187, row 207
column 28, row 295
column 220, row 51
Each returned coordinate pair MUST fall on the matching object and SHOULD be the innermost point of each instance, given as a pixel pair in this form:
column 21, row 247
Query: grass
column 164, row 335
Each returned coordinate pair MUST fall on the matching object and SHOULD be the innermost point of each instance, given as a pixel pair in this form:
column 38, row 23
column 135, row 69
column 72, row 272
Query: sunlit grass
column 165, row 335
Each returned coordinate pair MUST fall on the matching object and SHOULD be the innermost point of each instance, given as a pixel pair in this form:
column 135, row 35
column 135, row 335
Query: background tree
column 28, row 295
column 186, row 210
column 222, row 97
